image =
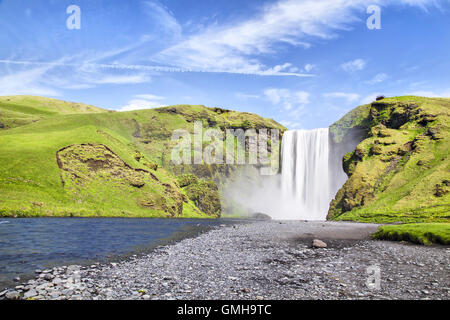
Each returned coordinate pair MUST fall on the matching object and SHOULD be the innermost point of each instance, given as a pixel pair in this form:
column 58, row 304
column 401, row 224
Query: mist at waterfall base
column 311, row 175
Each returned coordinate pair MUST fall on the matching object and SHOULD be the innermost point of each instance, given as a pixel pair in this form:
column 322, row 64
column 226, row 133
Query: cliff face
column 67, row 159
column 396, row 156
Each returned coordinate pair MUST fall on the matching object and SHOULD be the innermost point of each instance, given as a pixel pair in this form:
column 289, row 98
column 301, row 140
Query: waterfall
column 311, row 175
column 305, row 174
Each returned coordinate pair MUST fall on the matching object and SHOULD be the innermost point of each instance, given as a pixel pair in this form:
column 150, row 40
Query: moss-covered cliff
column 60, row 158
column 400, row 168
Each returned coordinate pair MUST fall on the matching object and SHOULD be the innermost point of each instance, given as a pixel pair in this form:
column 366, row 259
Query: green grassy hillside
column 400, row 170
column 20, row 110
column 66, row 159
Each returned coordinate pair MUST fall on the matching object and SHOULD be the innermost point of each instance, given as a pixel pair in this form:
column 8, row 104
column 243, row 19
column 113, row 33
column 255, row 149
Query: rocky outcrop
column 94, row 167
column 400, row 159
column 204, row 193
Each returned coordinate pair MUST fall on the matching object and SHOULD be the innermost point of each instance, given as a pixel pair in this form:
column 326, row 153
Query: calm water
column 39, row 243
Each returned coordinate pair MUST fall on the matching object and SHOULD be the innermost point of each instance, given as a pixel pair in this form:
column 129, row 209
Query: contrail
column 139, row 67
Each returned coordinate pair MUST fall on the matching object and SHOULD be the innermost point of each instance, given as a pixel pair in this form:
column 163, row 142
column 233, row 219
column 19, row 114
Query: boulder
column 318, row 244
column 30, row 294
column 260, row 216
column 12, row 295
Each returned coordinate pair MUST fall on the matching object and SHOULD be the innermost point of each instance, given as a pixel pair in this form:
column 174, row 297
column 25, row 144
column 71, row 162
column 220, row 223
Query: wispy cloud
column 431, row 94
column 292, row 103
column 26, row 82
column 246, row 96
column 369, row 98
column 121, row 79
column 292, row 125
column 236, row 47
column 143, row 101
column 381, row 77
column 350, row 97
column 353, row 65
column 445, row 93
column 239, row 46
column 423, row 4
column 309, row 67
column 48, row 78
column 164, row 19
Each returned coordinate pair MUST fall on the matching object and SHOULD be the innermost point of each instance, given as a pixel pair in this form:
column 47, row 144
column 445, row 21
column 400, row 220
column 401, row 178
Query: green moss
column 245, row 125
column 205, row 195
column 421, row 233
column 186, row 180
column 397, row 172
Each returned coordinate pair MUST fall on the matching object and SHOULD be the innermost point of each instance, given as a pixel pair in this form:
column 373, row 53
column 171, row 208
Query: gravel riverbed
column 259, row 260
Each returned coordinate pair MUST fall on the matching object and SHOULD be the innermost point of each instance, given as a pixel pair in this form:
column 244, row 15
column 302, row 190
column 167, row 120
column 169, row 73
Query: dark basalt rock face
column 392, row 115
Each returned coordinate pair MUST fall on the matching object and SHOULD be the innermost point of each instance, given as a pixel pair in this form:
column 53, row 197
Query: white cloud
column 163, row 18
column 121, row 79
column 430, row 94
column 283, row 69
column 354, row 65
column 143, row 101
column 378, row 78
column 309, row 67
column 423, row 4
column 370, row 98
column 292, row 125
column 234, row 47
column 350, row 97
column 293, row 102
column 246, row 96
column 420, row 93
column 445, row 94
column 48, row 78
column 148, row 97
column 237, row 46
column 28, row 82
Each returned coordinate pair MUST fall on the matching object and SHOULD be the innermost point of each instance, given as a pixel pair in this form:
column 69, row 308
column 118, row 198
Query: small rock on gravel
column 318, row 244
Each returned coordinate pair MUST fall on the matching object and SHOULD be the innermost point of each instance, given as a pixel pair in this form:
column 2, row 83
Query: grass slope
column 65, row 159
column 21, row 110
column 421, row 233
column 401, row 169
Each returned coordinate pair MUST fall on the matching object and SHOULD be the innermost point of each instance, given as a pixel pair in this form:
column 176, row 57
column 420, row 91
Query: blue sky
column 304, row 63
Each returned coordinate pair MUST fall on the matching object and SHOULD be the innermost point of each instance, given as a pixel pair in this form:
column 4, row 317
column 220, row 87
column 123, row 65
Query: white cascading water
column 305, row 174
